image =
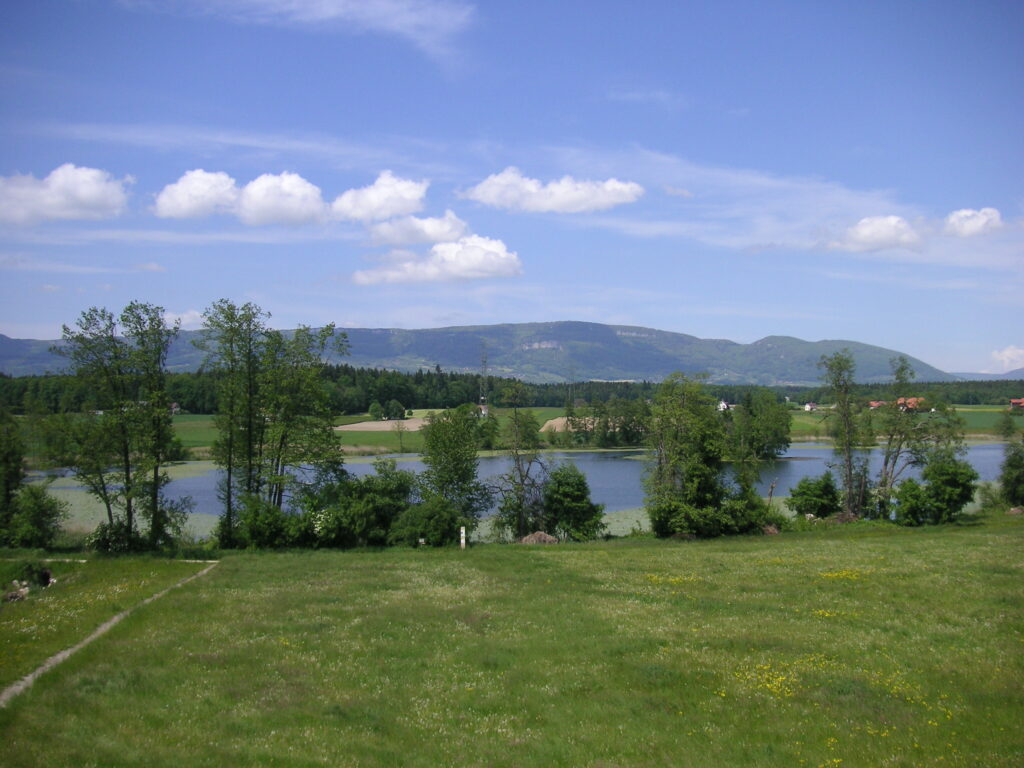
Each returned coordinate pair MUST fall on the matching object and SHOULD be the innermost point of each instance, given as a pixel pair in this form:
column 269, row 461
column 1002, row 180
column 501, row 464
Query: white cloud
column 470, row 258
column 197, row 193
column 968, row 222
column 387, row 197
column 1010, row 358
column 412, row 229
column 875, row 233
column 190, row 319
column 284, row 198
column 69, row 192
column 429, row 24
column 510, row 189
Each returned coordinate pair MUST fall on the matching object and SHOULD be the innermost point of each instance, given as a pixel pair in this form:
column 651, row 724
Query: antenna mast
column 483, row 379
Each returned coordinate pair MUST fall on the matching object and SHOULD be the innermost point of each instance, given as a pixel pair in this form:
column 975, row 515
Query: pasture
column 858, row 645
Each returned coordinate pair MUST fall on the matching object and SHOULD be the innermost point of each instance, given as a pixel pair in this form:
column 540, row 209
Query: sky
column 725, row 169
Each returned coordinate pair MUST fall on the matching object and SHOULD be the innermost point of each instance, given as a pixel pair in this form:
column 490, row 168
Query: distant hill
column 553, row 352
column 1015, row 374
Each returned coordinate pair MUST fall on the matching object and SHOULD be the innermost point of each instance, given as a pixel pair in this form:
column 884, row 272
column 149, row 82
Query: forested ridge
column 353, row 390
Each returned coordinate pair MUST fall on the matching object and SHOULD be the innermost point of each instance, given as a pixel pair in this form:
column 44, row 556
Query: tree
column 12, row 466
column 274, row 418
column 298, row 428
column 150, row 339
column 449, row 453
column 1011, row 477
column 122, row 361
column 568, row 509
column 908, row 436
column 838, row 375
column 687, row 438
column 521, row 508
column 759, row 427
column 233, row 338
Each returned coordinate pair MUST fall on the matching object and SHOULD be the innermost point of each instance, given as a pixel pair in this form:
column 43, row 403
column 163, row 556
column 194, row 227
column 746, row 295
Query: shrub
column 815, row 496
column 913, row 504
column 262, row 525
column 114, row 538
column 1011, row 477
column 434, row 519
column 567, row 506
column 951, row 483
column 36, row 517
column 948, row 487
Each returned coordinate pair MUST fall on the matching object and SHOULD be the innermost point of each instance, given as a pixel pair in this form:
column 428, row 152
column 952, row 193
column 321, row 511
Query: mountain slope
column 548, row 352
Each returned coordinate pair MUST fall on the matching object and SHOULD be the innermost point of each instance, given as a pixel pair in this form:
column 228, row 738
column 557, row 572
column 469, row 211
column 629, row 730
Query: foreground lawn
column 864, row 646
column 85, row 595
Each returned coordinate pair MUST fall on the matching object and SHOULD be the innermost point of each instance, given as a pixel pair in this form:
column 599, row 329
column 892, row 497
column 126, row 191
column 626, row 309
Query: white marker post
column 462, row 537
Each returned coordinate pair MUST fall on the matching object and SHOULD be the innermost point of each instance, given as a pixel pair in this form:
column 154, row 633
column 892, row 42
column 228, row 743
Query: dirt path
column 411, row 425
column 8, row 694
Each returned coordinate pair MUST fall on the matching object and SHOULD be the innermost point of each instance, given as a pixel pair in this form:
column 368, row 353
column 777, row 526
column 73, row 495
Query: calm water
column 616, row 477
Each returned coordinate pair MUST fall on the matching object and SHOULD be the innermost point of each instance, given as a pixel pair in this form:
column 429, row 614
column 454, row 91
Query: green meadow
column 857, row 645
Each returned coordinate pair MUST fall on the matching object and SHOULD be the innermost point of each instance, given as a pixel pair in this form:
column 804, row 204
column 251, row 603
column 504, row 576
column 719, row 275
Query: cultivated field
column 861, row 645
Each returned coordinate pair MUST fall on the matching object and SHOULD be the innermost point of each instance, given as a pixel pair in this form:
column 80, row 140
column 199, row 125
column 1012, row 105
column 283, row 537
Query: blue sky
column 729, row 169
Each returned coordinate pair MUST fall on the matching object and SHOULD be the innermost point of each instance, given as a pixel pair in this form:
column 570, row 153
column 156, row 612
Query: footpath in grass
column 858, row 646
column 84, row 596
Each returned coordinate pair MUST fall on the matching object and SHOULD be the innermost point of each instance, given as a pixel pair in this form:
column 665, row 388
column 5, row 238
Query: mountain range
column 558, row 351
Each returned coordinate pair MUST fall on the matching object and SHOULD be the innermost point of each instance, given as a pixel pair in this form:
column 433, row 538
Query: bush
column 567, row 506
column 114, row 538
column 913, row 504
column 262, row 525
column 36, row 517
column 736, row 515
column 1011, row 477
column 815, row 496
column 948, row 487
column 951, row 484
column 434, row 519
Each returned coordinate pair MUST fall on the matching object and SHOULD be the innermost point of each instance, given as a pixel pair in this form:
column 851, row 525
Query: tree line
column 354, row 390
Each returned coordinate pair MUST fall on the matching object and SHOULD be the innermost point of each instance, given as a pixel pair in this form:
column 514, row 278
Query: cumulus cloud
column 469, row 258
column 197, row 193
column 968, row 222
column 387, row 197
column 412, row 229
column 510, row 189
column 1010, row 358
column 190, row 319
column 284, row 198
column 69, row 192
column 875, row 233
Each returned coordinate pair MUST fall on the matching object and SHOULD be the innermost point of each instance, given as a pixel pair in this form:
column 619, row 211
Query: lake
column 616, row 477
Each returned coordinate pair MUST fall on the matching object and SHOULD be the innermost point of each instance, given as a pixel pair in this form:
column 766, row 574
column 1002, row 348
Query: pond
column 616, row 477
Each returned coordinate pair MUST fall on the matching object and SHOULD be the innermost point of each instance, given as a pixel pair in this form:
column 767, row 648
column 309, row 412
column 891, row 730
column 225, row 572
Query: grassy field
column 86, row 595
column 979, row 421
column 853, row 646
